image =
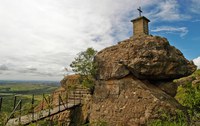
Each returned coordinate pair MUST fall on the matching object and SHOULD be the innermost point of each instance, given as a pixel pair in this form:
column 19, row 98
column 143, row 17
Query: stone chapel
column 140, row 25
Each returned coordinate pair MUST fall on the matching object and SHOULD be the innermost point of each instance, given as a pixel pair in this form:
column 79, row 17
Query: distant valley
column 24, row 91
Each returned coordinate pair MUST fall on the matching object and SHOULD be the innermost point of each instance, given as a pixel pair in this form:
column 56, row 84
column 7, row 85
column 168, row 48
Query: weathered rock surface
column 134, row 83
column 129, row 102
column 145, row 57
column 70, row 81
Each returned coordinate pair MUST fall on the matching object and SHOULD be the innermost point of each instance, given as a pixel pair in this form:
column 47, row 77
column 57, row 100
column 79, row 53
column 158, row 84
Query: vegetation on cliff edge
column 188, row 95
column 84, row 65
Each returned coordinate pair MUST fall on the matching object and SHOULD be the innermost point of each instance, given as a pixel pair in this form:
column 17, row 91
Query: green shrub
column 189, row 96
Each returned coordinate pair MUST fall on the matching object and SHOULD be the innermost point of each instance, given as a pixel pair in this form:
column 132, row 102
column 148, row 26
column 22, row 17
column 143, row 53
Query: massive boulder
column 145, row 57
column 129, row 102
column 135, row 81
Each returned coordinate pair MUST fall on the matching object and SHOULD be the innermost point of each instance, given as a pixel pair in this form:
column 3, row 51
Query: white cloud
column 182, row 31
column 47, row 34
column 167, row 10
column 197, row 62
column 196, row 20
column 195, row 6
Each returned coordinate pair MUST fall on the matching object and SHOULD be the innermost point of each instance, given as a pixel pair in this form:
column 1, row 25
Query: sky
column 39, row 38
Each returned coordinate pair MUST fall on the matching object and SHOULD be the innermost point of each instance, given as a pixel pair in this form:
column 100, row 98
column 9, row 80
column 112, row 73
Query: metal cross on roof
column 140, row 11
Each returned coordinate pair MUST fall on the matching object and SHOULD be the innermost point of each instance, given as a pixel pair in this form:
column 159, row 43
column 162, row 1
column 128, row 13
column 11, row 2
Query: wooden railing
column 71, row 100
column 19, row 104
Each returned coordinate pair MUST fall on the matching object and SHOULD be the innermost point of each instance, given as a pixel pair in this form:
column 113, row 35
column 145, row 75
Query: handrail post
column 62, row 102
column 32, row 107
column 61, row 95
column 67, row 99
column 15, row 100
column 1, row 99
column 51, row 99
column 42, row 101
column 80, row 96
column 59, row 102
column 49, row 105
column 11, row 114
column 74, row 97
column 20, row 112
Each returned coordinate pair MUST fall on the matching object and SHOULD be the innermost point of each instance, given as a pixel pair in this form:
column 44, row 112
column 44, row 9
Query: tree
column 85, row 67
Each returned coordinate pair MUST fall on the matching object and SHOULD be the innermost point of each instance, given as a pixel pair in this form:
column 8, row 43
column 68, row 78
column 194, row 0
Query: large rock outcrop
column 129, row 102
column 145, row 57
column 135, row 81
